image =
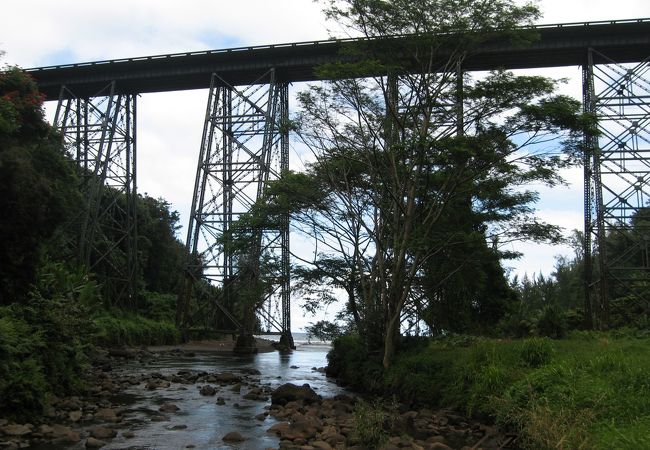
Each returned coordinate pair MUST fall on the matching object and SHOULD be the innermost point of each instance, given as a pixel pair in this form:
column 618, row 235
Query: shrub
column 352, row 364
column 552, row 322
column 373, row 422
column 117, row 328
column 535, row 352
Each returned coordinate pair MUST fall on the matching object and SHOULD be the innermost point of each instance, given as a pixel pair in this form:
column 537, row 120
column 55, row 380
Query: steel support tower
column 244, row 146
column 100, row 136
column 616, row 187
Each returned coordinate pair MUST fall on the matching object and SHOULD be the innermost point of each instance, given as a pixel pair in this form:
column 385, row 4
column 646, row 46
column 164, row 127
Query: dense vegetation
column 589, row 390
column 53, row 311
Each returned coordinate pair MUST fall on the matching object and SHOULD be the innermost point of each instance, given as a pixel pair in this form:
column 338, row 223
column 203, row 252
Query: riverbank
column 223, row 346
column 590, row 390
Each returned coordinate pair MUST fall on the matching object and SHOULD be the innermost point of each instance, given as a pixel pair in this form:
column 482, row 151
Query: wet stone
column 100, row 432
column 233, row 436
column 208, row 390
column 168, row 408
column 91, row 442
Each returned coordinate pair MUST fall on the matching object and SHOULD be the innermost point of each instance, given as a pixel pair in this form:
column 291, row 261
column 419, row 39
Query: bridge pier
column 244, row 146
column 616, row 185
column 100, row 135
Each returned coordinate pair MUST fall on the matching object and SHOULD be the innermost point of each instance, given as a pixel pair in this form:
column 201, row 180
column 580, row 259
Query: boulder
column 16, row 429
column 100, row 432
column 62, row 433
column 168, row 408
column 91, row 442
column 233, row 436
column 227, row 377
column 208, row 390
column 74, row 416
column 289, row 392
column 107, row 415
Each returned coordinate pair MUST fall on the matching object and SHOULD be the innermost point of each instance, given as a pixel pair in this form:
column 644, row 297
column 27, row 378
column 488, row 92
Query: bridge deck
column 559, row 45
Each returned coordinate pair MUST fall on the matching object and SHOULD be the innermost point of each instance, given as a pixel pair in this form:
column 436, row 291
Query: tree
column 323, row 330
column 396, row 153
column 38, row 189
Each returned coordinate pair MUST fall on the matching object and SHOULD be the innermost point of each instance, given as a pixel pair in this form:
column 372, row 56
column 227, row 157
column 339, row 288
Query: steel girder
column 617, row 186
column 244, row 146
column 100, row 136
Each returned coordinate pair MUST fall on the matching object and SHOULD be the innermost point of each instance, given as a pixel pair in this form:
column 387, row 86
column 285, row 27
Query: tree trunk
column 392, row 332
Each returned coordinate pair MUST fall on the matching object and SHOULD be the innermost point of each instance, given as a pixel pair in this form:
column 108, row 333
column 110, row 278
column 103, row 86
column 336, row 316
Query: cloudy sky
column 36, row 33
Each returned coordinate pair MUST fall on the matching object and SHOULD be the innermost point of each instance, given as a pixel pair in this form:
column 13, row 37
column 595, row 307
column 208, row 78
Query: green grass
column 125, row 328
column 588, row 391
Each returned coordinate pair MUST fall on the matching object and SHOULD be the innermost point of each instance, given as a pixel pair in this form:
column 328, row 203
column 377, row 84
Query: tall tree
column 395, row 153
column 37, row 185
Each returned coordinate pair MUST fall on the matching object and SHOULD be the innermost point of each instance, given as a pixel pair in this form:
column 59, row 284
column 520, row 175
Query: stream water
column 201, row 422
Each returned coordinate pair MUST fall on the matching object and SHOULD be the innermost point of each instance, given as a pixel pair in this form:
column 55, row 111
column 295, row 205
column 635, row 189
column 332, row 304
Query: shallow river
column 206, row 421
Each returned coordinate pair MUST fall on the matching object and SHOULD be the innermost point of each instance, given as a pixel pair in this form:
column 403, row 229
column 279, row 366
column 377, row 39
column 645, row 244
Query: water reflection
column 205, row 421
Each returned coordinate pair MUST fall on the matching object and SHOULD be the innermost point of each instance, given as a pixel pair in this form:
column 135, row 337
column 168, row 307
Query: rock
column 221, row 401
column 227, row 377
column 100, row 432
column 208, row 390
column 290, row 392
column 91, row 442
column 233, row 436
column 168, row 408
column 255, row 394
column 16, row 429
column 61, row 433
column 70, row 403
column 74, row 416
column 159, row 418
column 177, row 427
column 321, row 445
column 128, row 434
column 294, row 367
column 251, row 371
column 237, row 388
column 157, row 384
column 107, row 415
column 279, row 428
column 437, row 446
column 261, row 417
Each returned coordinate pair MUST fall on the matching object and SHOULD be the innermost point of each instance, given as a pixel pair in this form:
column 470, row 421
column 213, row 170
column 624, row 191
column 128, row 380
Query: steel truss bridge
column 245, row 143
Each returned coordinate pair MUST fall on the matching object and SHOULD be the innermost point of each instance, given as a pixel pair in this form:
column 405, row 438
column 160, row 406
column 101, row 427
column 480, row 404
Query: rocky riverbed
column 180, row 398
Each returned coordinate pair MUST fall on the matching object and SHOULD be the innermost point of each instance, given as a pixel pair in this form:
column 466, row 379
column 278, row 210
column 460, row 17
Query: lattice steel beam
column 244, row 145
column 100, row 136
column 617, row 185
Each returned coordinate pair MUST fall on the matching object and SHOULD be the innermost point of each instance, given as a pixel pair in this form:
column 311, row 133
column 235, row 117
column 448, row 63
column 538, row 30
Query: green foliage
column 371, row 424
column 119, row 328
column 552, row 322
column 38, row 190
column 22, row 380
column 588, row 391
column 161, row 256
column 350, row 361
column 41, row 352
column 536, row 352
column 323, row 330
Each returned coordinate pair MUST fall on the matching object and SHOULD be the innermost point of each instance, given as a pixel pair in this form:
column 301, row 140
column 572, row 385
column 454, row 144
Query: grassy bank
column 118, row 328
column 44, row 347
column 588, row 391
